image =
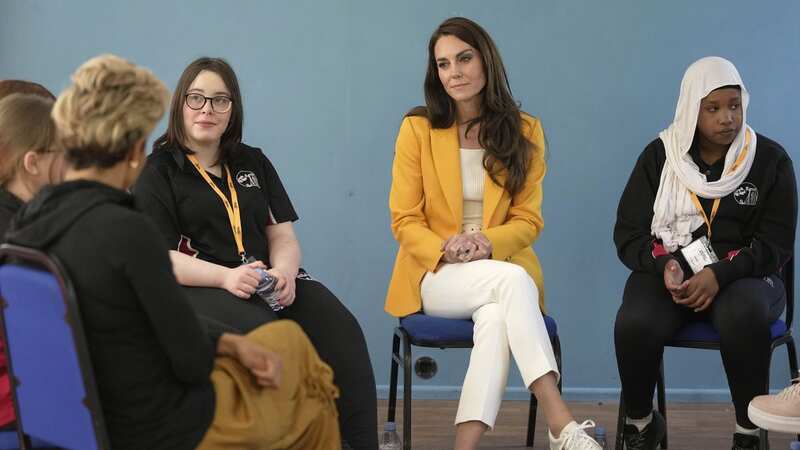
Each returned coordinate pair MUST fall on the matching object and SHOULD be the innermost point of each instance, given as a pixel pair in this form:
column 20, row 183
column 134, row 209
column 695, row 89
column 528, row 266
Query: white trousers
column 502, row 299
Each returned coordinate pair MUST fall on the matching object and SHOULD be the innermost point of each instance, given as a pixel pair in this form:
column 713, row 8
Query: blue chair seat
column 428, row 330
column 705, row 332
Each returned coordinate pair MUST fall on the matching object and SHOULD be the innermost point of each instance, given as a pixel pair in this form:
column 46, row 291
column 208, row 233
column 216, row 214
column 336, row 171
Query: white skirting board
column 574, row 394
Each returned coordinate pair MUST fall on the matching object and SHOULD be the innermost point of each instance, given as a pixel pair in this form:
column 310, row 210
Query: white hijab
column 675, row 215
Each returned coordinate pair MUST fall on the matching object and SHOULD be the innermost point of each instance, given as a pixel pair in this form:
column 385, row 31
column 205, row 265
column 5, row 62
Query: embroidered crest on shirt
column 746, row 194
column 247, row 179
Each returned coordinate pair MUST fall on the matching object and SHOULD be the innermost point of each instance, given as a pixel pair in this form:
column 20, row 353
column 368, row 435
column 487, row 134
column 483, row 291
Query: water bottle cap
column 795, row 445
column 390, row 426
column 599, row 431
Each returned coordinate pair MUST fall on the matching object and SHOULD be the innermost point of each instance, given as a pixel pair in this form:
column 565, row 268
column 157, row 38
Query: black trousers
column 741, row 313
column 336, row 335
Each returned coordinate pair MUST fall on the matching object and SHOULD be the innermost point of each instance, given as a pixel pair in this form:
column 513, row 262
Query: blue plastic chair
column 55, row 397
column 434, row 332
column 9, row 440
column 701, row 335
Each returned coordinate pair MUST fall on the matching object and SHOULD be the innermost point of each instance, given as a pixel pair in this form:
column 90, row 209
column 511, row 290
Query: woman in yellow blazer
column 466, row 207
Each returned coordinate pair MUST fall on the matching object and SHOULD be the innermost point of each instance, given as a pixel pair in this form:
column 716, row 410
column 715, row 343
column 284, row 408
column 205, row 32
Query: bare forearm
column 285, row 255
column 196, row 272
column 227, row 344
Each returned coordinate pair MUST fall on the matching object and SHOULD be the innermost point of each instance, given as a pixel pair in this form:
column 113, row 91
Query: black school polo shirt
column 9, row 205
column 753, row 232
column 191, row 215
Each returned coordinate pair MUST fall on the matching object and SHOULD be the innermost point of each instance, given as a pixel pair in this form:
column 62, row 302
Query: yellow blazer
column 426, row 203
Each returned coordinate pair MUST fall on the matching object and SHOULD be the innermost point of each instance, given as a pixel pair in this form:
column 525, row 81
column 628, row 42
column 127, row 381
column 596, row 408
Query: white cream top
column 472, row 179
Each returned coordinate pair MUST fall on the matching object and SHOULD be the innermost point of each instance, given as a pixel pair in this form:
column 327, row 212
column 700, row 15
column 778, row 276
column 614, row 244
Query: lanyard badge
column 700, row 253
column 231, row 207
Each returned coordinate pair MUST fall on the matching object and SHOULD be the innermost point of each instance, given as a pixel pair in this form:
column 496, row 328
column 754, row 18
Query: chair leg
column 763, row 436
column 406, row 393
column 532, row 408
column 662, row 402
column 793, row 372
column 620, row 422
column 792, row 353
column 393, row 378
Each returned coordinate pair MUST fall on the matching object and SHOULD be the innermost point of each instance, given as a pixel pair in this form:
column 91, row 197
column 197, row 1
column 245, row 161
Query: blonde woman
column 164, row 383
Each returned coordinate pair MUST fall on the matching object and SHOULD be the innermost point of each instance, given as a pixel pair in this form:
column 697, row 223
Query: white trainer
column 574, row 437
column 780, row 412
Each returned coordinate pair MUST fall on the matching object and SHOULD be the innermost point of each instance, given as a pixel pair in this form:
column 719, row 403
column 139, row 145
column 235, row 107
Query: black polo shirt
column 753, row 232
column 9, row 205
column 192, row 217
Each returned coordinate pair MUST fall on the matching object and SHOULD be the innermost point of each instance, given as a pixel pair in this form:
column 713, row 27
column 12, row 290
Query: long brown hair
column 25, row 125
column 500, row 122
column 175, row 135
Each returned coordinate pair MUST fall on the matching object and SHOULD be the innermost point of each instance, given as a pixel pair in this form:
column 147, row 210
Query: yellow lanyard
column 715, row 207
column 231, row 207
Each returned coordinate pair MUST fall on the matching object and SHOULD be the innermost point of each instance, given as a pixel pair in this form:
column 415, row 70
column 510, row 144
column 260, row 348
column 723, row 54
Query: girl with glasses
column 223, row 212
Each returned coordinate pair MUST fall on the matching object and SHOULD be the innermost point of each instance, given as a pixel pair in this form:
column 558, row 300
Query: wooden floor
column 691, row 426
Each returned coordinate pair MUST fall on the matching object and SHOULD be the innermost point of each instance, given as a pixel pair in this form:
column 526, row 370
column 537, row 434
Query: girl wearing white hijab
column 706, row 223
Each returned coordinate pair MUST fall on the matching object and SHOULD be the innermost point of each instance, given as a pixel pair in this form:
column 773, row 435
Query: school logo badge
column 247, row 179
column 746, row 194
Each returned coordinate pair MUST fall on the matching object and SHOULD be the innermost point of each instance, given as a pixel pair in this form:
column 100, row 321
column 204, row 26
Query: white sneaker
column 779, row 412
column 573, row 437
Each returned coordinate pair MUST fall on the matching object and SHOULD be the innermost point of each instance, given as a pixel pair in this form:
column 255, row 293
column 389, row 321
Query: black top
column 9, row 205
column 753, row 233
column 152, row 360
column 191, row 216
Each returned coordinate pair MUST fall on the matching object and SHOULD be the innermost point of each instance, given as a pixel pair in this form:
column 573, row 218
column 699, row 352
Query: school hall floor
column 692, row 426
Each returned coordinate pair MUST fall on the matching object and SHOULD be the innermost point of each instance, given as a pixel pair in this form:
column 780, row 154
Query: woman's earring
column 134, row 164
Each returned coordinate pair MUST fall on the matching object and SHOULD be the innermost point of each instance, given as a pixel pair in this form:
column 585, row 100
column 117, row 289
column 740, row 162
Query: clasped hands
column 697, row 292
column 466, row 247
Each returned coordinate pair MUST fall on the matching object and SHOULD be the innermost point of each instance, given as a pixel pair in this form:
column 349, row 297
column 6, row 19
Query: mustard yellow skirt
column 300, row 414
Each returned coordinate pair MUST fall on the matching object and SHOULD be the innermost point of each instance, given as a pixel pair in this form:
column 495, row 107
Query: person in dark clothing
column 27, row 162
column 706, row 223
column 160, row 385
column 223, row 211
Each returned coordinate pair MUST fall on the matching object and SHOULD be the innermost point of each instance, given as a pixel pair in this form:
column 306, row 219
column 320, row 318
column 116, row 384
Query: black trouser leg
column 222, row 306
column 647, row 319
column 742, row 313
column 338, row 338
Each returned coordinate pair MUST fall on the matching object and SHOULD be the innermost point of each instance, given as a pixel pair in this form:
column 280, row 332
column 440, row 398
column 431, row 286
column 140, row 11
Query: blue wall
column 326, row 85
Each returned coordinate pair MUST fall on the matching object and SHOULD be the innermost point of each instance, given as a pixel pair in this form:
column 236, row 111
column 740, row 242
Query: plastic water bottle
column 795, row 445
column 389, row 439
column 600, row 437
column 266, row 290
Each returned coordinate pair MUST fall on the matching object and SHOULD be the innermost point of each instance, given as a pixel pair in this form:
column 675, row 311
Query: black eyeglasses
column 219, row 104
